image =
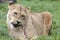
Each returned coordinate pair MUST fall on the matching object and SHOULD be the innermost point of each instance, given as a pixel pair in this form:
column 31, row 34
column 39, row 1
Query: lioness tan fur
column 33, row 24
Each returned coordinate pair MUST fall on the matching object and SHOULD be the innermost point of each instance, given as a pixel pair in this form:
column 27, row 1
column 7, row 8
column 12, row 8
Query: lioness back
column 42, row 22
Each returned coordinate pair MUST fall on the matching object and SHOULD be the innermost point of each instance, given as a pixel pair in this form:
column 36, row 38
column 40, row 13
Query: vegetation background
column 52, row 6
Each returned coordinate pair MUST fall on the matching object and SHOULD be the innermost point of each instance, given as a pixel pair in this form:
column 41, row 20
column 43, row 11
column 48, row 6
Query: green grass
column 35, row 6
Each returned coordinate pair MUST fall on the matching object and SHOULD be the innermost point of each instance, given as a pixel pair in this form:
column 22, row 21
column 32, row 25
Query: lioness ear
column 28, row 8
column 10, row 3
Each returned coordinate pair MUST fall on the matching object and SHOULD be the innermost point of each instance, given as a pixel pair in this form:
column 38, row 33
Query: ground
column 35, row 6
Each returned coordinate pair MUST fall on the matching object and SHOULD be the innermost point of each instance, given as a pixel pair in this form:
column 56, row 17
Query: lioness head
column 18, row 14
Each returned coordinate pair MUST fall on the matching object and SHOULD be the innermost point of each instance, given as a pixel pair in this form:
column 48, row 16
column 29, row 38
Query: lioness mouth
column 16, row 25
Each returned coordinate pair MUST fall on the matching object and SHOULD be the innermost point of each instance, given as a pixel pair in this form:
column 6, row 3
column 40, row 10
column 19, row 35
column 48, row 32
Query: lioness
column 24, row 25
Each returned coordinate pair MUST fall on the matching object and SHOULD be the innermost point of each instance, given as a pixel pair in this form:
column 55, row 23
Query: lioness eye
column 23, row 17
column 15, row 13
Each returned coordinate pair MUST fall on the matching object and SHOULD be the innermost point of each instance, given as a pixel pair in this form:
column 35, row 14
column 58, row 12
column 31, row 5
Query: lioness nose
column 17, row 22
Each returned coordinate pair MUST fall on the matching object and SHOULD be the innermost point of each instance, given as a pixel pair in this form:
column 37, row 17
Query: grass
column 35, row 6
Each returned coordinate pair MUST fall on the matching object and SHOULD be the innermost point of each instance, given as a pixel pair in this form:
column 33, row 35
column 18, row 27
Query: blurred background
column 52, row 6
